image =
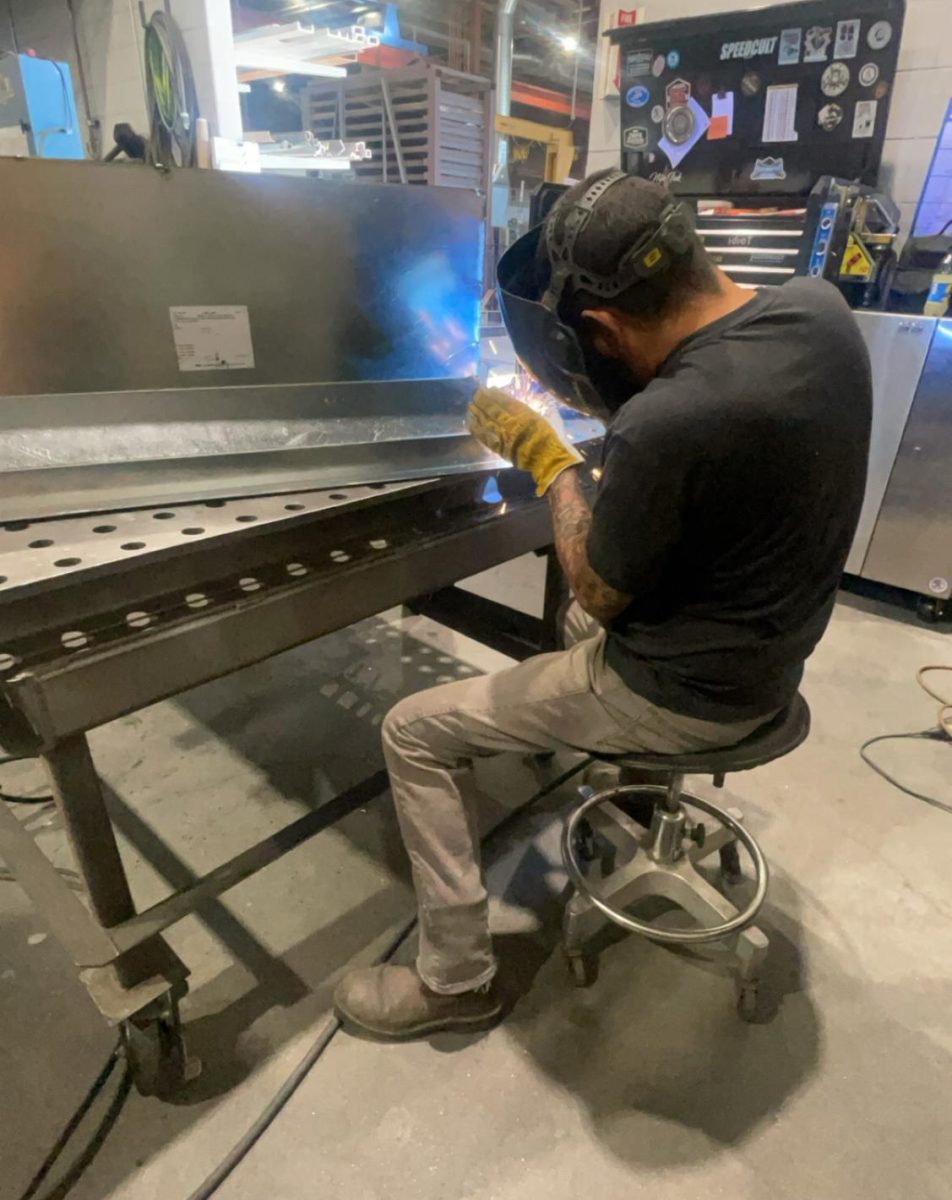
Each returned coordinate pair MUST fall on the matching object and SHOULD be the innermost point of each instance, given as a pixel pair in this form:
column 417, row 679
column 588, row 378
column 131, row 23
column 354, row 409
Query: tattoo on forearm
column 572, row 520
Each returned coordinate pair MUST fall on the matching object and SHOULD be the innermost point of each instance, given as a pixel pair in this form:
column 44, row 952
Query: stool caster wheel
column 756, row 1003
column 730, row 864
column 583, row 969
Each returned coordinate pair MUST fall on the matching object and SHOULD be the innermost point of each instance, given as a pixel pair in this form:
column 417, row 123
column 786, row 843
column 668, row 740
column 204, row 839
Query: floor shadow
column 655, row 1050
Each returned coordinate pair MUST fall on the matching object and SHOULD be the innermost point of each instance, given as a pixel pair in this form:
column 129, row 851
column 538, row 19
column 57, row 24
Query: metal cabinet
column 911, row 546
column 898, row 346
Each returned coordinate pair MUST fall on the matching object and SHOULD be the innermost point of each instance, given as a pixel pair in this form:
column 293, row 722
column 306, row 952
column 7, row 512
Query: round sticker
column 657, row 67
column 829, row 116
column 679, row 125
column 750, row 84
column 868, row 74
column 638, row 96
column 674, row 60
column 836, row 79
column 938, row 585
column 657, row 114
column 880, row 35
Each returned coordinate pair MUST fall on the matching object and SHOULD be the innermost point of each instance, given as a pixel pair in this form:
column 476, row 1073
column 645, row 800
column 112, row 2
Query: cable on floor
column 941, row 733
column 99, row 1136
column 260, row 1126
column 9, row 758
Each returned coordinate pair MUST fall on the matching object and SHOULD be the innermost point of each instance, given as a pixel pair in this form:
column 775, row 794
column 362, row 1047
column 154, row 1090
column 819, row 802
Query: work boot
column 393, row 1004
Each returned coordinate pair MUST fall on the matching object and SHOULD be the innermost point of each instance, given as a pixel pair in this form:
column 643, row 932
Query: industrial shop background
column 247, row 289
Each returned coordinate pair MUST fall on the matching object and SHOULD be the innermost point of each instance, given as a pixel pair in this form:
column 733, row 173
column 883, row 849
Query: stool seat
column 788, row 730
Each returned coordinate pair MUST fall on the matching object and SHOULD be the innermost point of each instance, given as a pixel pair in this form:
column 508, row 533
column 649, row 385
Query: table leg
column 79, row 799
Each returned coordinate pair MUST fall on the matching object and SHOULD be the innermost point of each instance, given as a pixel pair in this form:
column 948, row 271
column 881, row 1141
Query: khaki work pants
column 569, row 700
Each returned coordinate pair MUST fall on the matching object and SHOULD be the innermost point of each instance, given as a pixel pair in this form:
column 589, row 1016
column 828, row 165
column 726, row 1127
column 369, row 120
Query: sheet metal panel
column 342, row 281
column 898, row 346
column 912, row 544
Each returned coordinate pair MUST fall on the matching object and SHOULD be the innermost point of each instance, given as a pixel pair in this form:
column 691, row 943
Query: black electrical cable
column 260, row 1126
column 263, row 1122
column 9, row 758
column 929, row 735
column 941, row 733
column 73, row 1124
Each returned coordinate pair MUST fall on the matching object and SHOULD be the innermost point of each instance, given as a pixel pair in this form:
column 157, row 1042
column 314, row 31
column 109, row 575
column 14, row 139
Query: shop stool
column 661, row 861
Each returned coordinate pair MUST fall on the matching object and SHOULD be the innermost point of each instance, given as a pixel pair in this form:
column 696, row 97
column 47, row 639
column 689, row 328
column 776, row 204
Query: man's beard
column 611, row 378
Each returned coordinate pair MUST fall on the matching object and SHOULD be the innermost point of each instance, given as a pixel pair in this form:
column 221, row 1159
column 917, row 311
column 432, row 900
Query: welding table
column 105, row 614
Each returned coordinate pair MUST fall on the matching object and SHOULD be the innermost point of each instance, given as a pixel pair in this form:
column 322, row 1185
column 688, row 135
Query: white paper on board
column 864, row 118
column 780, row 113
column 847, row 39
column 722, row 115
column 212, row 339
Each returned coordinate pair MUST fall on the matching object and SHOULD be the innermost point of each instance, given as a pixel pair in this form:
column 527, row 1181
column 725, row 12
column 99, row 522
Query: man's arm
column 572, row 519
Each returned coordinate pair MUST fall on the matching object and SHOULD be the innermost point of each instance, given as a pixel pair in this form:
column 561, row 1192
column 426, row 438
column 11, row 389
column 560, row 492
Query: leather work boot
column 393, row 1004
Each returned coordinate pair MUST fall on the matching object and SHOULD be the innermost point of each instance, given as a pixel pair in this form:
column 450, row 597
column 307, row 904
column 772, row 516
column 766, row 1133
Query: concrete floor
column 646, row 1085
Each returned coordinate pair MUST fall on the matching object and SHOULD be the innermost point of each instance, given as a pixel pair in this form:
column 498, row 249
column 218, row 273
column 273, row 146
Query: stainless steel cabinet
column 911, row 546
column 898, row 346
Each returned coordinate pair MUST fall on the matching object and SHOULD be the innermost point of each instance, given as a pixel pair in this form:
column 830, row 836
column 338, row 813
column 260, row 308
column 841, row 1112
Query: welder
column 705, row 573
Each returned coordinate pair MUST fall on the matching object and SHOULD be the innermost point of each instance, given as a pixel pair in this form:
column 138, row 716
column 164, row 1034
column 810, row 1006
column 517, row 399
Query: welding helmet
column 551, row 350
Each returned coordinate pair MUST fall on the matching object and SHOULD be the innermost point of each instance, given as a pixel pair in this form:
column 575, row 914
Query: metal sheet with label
column 212, row 339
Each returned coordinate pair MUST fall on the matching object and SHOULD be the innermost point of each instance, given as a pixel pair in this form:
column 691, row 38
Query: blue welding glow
column 491, row 493
column 418, row 281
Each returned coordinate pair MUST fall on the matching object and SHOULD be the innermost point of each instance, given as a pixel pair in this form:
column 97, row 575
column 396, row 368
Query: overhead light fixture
column 569, row 43
column 279, row 86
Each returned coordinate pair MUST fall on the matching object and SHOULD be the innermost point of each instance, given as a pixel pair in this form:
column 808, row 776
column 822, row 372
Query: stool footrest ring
column 714, row 933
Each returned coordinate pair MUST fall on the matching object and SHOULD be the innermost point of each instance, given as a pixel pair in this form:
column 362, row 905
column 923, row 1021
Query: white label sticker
column 212, row 339
column 864, row 119
column 830, row 117
column 817, row 43
column 790, row 43
column 880, row 35
column 768, row 168
column 780, row 115
column 636, row 137
column 836, row 79
column 868, row 74
column 847, row 39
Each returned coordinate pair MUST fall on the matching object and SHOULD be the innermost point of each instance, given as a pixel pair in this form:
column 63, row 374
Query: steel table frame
column 410, row 543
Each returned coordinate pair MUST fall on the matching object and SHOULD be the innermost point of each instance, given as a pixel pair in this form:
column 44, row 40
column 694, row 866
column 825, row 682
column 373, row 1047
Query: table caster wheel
column 730, row 864
column 156, row 1054
column 931, row 609
column 583, row 969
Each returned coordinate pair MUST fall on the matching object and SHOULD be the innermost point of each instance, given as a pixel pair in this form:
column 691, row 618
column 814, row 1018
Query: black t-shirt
column 730, row 494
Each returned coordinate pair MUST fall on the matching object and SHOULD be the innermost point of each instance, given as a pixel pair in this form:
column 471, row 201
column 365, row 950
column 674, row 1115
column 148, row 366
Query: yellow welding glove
column 522, row 436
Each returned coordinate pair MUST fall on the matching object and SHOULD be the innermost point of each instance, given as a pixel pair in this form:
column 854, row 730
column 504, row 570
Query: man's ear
column 604, row 328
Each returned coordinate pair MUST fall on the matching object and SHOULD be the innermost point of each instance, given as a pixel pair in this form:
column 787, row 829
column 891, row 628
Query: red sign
column 627, row 17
